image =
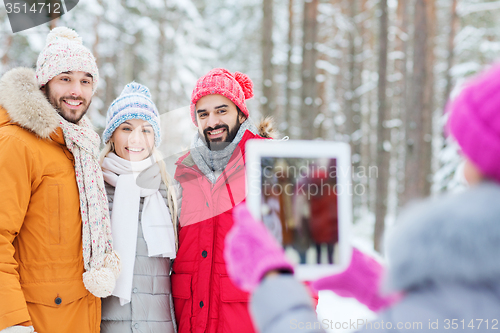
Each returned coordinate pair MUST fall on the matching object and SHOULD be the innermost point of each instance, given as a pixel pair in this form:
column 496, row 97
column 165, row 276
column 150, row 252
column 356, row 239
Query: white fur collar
column 26, row 104
column 453, row 238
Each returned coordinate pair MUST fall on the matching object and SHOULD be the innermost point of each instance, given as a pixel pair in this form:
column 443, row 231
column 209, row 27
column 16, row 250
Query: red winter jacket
column 205, row 299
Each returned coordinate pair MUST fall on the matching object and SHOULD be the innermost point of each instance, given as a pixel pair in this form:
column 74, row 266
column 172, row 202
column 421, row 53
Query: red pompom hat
column 236, row 87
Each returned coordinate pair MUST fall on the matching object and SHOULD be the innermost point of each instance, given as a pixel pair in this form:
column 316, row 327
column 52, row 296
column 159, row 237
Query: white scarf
column 101, row 263
column 157, row 226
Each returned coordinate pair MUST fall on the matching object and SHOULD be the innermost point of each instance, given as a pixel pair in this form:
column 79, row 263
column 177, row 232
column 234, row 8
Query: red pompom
column 245, row 83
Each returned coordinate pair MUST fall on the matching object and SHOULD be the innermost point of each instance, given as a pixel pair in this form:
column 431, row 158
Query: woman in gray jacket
column 444, row 258
column 142, row 205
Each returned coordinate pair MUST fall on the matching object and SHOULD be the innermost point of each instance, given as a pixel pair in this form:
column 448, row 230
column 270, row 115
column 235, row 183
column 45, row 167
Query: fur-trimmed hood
column 26, row 104
column 451, row 239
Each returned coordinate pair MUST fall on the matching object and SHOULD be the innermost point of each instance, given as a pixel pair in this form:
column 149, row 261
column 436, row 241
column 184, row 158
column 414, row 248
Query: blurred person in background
column 316, row 209
column 56, row 255
column 142, row 206
column 443, row 253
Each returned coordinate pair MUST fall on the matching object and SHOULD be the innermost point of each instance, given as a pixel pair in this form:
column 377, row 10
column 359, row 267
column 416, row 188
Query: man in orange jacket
column 54, row 223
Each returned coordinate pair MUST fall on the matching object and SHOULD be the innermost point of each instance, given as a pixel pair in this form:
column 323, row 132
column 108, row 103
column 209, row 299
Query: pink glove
column 251, row 251
column 360, row 280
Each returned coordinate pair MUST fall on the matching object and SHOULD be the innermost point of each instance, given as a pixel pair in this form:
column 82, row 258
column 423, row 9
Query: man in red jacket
column 212, row 178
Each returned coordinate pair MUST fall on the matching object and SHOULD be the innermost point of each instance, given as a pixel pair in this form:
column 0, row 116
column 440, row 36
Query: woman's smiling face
column 134, row 140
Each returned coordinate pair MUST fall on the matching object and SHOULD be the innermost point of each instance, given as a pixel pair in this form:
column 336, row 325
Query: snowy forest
column 374, row 73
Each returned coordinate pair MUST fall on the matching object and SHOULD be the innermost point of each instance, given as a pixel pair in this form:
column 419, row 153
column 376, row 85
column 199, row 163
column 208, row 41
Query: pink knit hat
column 237, row 87
column 475, row 121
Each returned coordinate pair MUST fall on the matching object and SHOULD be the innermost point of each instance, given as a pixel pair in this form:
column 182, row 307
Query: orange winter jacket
column 41, row 261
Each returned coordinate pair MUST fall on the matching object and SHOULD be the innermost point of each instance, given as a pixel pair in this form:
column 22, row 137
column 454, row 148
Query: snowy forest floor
column 338, row 314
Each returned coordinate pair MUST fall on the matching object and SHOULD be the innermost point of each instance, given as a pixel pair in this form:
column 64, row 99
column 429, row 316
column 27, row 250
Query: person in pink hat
column 443, row 271
column 212, row 178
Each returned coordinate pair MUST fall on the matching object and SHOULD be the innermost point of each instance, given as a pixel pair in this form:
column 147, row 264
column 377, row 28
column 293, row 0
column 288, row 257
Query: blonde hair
column 167, row 180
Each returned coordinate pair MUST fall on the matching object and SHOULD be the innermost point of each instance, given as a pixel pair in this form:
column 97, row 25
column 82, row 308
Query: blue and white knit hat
column 133, row 103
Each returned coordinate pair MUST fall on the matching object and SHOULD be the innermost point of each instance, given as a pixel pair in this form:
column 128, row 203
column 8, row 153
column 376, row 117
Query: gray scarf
column 209, row 161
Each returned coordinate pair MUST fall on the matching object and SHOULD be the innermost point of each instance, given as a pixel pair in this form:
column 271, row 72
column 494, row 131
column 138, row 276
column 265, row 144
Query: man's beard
column 218, row 144
column 57, row 105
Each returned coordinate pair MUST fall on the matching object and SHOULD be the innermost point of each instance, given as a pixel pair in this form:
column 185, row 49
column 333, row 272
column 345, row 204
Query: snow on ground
column 338, row 314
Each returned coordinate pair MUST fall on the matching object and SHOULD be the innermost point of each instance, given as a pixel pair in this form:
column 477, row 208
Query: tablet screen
column 299, row 206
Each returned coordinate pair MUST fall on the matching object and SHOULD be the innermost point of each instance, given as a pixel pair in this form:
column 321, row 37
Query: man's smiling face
column 218, row 120
column 70, row 93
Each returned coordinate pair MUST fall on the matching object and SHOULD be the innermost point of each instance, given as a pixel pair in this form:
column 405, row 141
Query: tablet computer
column 301, row 191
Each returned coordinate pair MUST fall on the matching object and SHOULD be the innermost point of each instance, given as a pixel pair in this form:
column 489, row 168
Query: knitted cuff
column 18, row 329
column 274, row 261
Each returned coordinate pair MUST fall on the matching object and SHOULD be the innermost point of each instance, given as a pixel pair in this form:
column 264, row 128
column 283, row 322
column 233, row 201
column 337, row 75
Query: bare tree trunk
column 414, row 184
column 451, row 48
column 289, row 70
column 429, row 102
column 340, row 87
column 54, row 16
column 365, row 99
column 352, row 102
column 161, row 63
column 322, row 91
column 111, row 83
column 5, row 57
column 349, row 93
column 137, row 65
column 97, row 39
column 309, row 56
column 95, row 46
column 53, row 23
column 383, row 134
column 333, row 79
column 400, row 89
column 322, row 94
column 268, row 104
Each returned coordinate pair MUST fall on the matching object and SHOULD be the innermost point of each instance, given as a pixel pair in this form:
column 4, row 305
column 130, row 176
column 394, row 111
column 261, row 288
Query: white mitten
column 18, row 329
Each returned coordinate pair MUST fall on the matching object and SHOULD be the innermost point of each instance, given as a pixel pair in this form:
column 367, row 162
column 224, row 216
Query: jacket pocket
column 62, row 307
column 183, row 302
column 54, row 294
column 233, row 315
column 54, row 213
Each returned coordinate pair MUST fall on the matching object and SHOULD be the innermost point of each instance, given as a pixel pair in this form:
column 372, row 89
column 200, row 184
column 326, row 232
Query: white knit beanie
column 64, row 52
